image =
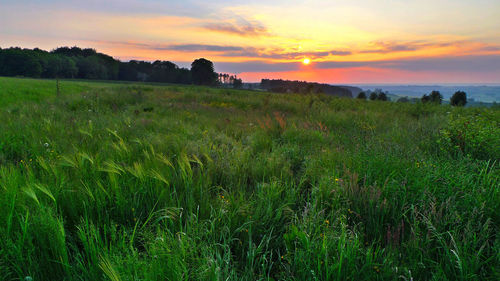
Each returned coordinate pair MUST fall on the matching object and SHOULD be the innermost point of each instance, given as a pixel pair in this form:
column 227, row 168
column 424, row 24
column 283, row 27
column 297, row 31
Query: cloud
column 453, row 64
column 490, row 48
column 340, row 53
column 246, row 29
column 471, row 63
column 391, row 47
column 474, row 63
column 281, row 54
column 255, row 66
column 198, row 47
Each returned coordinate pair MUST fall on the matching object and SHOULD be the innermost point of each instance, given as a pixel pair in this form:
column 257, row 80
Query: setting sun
column 306, row 61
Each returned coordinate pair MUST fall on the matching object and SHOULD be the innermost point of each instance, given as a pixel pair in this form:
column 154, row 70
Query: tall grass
column 138, row 182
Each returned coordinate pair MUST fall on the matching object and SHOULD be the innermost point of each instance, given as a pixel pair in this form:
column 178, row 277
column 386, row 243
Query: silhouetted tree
column 403, row 99
column 361, row 95
column 20, row 62
column 459, row 98
column 238, row 83
column 382, row 96
column 425, row 98
column 436, row 97
column 373, row 96
column 56, row 66
column 202, row 71
column 164, row 71
column 287, row 86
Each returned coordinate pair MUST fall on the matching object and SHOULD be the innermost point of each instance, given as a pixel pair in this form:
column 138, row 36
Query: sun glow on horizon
column 306, row 61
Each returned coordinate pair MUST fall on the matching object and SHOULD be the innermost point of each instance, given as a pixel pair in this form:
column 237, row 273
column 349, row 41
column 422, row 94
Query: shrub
column 477, row 137
column 362, row 96
column 459, row 99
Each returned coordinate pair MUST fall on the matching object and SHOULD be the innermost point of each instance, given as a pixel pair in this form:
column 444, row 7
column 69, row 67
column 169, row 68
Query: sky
column 346, row 41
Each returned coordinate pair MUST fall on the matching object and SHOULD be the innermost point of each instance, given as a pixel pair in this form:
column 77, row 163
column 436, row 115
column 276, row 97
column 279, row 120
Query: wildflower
column 327, row 221
column 336, row 179
column 282, row 257
column 46, row 144
column 246, row 230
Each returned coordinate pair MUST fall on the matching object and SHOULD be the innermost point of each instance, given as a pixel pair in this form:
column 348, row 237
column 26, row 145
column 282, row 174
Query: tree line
column 75, row 62
column 303, row 87
column 435, row 97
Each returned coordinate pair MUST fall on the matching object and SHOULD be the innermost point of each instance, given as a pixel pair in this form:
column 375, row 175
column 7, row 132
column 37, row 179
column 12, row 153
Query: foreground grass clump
column 138, row 182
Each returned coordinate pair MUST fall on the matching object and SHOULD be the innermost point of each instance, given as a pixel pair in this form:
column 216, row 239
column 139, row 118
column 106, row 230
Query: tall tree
column 382, row 96
column 436, row 97
column 459, row 98
column 361, row 95
column 202, row 71
column 425, row 98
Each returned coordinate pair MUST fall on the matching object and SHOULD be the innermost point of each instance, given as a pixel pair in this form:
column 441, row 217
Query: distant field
column 150, row 182
column 13, row 90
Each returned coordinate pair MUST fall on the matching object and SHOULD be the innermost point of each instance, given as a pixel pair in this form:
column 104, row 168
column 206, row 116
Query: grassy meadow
column 114, row 181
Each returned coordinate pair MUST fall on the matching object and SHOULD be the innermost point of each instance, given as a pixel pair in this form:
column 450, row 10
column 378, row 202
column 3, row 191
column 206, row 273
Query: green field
column 116, row 181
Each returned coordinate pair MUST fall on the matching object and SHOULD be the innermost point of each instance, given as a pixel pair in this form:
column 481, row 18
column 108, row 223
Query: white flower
column 46, row 145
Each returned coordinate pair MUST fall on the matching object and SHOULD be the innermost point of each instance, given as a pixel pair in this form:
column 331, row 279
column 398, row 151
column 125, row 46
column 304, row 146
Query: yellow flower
column 327, row 221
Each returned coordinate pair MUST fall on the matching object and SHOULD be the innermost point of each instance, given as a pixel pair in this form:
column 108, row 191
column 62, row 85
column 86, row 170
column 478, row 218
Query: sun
column 306, row 61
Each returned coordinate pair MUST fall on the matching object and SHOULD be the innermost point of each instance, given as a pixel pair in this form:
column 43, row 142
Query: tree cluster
column 459, row 98
column 231, row 81
column 378, row 94
column 74, row 62
column 302, row 87
column 433, row 97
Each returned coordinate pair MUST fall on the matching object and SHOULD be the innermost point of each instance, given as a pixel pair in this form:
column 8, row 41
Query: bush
column 362, row 96
column 477, row 137
column 459, row 99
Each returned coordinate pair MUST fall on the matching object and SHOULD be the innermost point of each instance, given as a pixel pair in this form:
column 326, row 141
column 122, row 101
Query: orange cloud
column 245, row 30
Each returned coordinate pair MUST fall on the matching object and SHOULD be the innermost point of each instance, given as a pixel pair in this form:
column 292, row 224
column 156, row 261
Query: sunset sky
column 346, row 41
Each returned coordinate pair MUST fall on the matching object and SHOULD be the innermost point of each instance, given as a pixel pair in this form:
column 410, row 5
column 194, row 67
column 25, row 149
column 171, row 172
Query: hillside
column 303, row 87
column 149, row 182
